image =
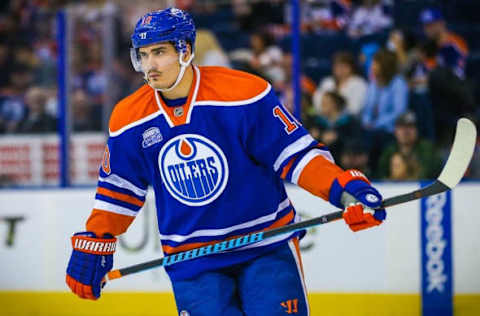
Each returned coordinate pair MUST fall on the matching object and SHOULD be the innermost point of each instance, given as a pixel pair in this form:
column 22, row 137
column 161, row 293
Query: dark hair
column 265, row 37
column 189, row 42
column 344, row 57
column 339, row 101
column 388, row 63
column 429, row 48
column 409, row 39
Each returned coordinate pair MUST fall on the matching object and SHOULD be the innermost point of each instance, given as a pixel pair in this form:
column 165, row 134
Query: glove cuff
column 92, row 245
column 349, row 175
column 340, row 182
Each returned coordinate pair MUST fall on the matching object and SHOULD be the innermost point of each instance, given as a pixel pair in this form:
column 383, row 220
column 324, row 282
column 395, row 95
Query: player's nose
column 150, row 63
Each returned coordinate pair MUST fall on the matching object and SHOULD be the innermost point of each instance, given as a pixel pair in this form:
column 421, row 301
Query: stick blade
column 461, row 153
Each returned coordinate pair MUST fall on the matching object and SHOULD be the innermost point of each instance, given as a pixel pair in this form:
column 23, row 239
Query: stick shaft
column 224, row 245
column 434, row 188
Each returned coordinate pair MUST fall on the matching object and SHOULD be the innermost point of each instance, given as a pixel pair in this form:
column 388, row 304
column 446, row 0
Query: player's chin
column 157, row 84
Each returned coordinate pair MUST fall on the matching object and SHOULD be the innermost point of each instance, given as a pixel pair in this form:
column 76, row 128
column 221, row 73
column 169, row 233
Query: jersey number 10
column 290, row 126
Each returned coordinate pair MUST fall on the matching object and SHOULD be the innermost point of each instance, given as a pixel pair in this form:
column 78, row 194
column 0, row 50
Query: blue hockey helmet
column 169, row 25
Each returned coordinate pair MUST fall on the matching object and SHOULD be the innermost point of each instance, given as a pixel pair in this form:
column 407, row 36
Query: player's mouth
column 154, row 75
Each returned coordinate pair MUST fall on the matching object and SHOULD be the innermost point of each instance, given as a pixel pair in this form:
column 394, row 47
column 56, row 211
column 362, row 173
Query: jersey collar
column 168, row 112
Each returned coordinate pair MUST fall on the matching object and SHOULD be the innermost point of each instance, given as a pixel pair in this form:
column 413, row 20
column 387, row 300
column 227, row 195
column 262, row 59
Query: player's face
column 406, row 135
column 434, row 30
column 376, row 69
column 398, row 168
column 341, row 70
column 328, row 105
column 160, row 64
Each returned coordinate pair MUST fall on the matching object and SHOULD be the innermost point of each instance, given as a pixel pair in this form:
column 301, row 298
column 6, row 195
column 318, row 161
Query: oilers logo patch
column 193, row 168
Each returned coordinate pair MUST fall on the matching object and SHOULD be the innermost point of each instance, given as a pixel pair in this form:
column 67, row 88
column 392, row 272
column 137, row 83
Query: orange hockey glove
column 352, row 191
column 358, row 217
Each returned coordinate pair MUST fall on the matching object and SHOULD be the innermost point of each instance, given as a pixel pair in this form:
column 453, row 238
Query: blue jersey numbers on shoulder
column 193, row 168
column 290, row 125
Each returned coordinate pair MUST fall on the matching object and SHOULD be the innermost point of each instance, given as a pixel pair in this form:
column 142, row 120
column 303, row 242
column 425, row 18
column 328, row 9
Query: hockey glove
column 352, row 192
column 91, row 259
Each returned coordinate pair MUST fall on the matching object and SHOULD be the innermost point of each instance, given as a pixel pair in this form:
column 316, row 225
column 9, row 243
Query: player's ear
column 188, row 52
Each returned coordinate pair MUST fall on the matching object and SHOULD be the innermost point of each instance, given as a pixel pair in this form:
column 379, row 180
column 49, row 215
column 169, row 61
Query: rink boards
column 374, row 272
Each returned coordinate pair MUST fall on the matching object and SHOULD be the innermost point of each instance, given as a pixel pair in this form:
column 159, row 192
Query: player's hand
column 91, row 259
column 358, row 217
column 361, row 201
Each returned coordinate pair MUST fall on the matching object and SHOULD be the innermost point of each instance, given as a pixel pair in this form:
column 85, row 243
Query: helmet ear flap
column 135, row 58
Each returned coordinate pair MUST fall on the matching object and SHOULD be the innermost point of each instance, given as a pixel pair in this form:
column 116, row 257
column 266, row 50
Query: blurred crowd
column 383, row 82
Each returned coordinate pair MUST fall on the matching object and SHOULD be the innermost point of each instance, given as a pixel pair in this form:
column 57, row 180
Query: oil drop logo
column 193, row 168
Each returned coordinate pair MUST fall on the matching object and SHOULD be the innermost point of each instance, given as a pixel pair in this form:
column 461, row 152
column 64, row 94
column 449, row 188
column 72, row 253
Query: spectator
column 208, row 51
column 403, row 167
column 452, row 49
column 367, row 52
column 446, row 74
column 387, row 94
column 266, row 56
column 23, row 54
column 403, row 43
column 330, row 16
column 253, row 15
column 282, row 83
column 12, row 110
column 263, row 58
column 356, row 156
column 45, row 52
column 420, row 101
column 83, row 113
column 21, row 77
column 345, row 81
column 387, row 98
column 12, row 107
column 335, row 124
column 410, row 146
column 417, row 73
column 37, row 119
column 372, row 16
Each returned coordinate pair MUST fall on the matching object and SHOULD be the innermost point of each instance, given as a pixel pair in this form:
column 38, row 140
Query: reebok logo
column 436, row 243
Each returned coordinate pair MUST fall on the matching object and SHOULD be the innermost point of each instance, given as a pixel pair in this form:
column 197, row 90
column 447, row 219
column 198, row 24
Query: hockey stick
column 452, row 173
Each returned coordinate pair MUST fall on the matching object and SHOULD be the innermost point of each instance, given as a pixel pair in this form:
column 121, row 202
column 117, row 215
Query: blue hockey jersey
column 216, row 164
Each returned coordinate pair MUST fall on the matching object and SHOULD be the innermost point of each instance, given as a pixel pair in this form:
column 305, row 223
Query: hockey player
column 216, row 145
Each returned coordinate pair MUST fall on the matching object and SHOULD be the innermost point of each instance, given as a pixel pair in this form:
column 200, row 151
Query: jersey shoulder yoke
column 133, row 110
column 224, row 86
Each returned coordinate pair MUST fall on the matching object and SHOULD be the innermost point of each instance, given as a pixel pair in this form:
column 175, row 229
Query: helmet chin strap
column 183, row 67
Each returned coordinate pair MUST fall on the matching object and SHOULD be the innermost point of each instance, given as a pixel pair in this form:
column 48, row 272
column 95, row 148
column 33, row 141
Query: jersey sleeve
column 453, row 59
column 278, row 141
column 121, row 188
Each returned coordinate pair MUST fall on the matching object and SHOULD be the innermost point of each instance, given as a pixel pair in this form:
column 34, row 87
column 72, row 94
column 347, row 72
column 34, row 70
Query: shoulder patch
column 133, row 109
column 224, row 85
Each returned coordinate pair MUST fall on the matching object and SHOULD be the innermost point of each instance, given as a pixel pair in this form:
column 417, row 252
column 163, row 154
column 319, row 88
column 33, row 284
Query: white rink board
column 380, row 260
